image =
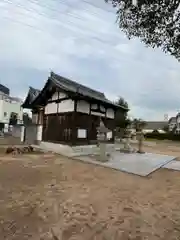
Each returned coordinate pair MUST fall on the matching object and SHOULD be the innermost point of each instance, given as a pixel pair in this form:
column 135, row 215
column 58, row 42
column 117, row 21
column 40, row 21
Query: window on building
column 5, row 114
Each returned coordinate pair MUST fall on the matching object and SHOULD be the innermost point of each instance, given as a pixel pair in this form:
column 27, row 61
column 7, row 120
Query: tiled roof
column 35, row 96
column 32, row 95
column 75, row 87
column 155, row 125
column 172, row 120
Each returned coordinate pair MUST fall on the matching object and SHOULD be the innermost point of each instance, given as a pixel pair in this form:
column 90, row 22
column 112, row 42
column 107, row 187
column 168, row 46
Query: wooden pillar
column 89, row 125
column 74, row 120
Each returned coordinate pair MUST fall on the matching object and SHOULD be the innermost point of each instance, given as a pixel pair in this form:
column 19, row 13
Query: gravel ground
column 50, row 197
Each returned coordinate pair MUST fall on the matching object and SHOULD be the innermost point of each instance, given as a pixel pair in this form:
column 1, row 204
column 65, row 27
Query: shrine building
column 67, row 112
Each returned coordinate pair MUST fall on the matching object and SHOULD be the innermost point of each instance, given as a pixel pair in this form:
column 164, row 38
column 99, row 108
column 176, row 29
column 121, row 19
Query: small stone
column 128, row 209
column 9, row 150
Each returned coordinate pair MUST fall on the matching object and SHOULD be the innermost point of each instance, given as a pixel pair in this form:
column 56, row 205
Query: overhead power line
column 70, row 15
column 68, row 24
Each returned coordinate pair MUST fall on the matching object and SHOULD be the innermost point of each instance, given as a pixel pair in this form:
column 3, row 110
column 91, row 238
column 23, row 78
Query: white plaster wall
column 98, row 114
column 110, row 113
column 1, row 110
column 22, row 133
column 35, row 118
column 102, row 108
column 55, row 96
column 94, row 106
column 83, row 106
column 61, row 95
column 109, row 135
column 66, row 106
column 39, row 132
column 51, row 108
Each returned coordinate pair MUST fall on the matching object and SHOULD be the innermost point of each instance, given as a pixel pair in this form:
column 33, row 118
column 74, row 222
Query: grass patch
column 151, row 140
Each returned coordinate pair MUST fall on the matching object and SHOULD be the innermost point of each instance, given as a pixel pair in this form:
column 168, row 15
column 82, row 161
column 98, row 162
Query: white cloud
column 81, row 41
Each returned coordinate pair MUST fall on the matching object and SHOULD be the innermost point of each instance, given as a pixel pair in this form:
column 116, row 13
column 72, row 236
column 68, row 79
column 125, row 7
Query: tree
column 122, row 120
column 155, row 22
column 122, row 102
column 138, row 124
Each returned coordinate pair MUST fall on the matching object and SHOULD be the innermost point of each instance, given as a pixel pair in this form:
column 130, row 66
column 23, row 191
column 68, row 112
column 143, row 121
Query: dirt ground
column 50, row 197
column 164, row 147
column 7, row 139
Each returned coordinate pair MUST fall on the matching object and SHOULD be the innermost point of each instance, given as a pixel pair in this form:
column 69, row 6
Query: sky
column 80, row 39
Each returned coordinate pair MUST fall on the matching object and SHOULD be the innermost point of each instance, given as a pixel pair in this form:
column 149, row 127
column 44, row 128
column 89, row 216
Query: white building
column 9, row 105
column 151, row 126
column 172, row 123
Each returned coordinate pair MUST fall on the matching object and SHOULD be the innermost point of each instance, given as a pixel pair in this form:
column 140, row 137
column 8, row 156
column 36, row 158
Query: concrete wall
column 31, row 134
column 16, row 131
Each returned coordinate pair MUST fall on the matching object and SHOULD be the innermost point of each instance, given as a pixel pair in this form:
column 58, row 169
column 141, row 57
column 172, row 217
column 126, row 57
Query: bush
column 163, row 136
column 155, row 132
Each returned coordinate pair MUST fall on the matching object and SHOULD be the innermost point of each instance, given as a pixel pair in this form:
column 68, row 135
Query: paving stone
column 139, row 164
column 174, row 165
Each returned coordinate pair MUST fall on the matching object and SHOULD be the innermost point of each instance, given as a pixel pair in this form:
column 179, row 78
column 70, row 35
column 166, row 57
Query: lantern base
column 141, row 152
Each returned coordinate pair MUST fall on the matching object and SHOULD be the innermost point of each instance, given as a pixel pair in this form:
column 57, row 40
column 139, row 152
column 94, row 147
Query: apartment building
column 9, row 106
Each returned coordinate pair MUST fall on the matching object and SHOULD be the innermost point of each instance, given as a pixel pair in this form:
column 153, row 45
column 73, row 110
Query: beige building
column 174, row 124
column 9, row 105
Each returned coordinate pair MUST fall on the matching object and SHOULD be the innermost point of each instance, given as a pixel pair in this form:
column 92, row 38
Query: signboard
column 82, row 133
column 109, row 135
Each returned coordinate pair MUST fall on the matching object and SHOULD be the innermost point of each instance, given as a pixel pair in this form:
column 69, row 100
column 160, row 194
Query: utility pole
column 134, row 2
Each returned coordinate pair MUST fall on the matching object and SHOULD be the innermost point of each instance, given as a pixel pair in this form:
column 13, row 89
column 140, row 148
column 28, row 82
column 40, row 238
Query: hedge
column 163, row 136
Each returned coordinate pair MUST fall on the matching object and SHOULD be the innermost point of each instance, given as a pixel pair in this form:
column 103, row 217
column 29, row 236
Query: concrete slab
column 57, row 148
column 174, row 165
column 139, row 164
column 72, row 151
column 90, row 150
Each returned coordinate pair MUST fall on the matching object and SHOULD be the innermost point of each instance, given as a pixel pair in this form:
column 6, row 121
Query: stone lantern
column 101, row 139
column 117, row 139
column 127, row 146
column 140, row 138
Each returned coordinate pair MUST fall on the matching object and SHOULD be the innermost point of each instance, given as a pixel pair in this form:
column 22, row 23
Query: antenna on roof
column 166, row 117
